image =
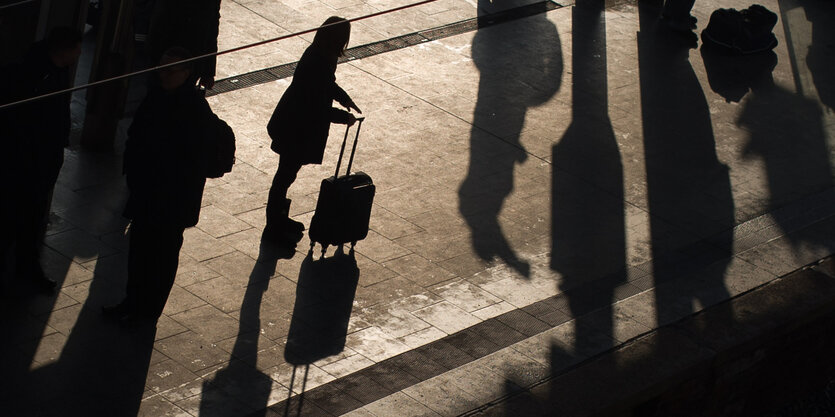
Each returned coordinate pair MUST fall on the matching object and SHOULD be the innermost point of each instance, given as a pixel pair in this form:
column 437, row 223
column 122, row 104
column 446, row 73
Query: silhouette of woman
column 300, row 123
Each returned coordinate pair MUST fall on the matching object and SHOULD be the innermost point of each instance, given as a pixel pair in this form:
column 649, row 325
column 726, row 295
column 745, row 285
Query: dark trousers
column 153, row 257
column 287, row 171
column 31, row 209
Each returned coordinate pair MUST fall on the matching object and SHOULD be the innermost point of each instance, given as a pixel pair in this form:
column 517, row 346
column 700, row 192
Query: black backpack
column 743, row 32
column 221, row 152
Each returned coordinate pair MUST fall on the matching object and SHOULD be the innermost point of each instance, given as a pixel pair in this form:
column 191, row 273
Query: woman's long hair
column 334, row 38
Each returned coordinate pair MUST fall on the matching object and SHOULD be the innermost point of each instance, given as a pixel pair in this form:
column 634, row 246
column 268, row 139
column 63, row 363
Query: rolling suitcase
column 343, row 210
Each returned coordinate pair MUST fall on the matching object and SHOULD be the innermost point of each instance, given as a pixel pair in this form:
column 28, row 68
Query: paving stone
column 400, row 403
column 442, row 395
column 444, row 353
column 393, row 321
column 332, row 401
column 293, row 377
column 481, row 383
column 416, row 364
column 422, row 337
column 374, row 344
column 191, row 351
column 390, row 225
column 523, row 323
column 386, row 291
column 380, row 249
column 372, row 272
column 202, row 246
column 180, row 300
column 419, row 270
column 247, row 241
column 446, row 317
column 191, row 272
column 220, row 292
column 214, row 402
column 497, row 332
column 347, row 365
column 232, row 201
column 94, row 219
column 494, row 310
column 168, row 375
column 167, row 327
column 78, row 245
column 471, row 343
column 359, row 412
column 465, row 295
column 158, row 406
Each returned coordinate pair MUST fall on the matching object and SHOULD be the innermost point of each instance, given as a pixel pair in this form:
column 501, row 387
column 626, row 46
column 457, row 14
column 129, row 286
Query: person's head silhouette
column 333, row 36
column 174, row 76
column 64, row 46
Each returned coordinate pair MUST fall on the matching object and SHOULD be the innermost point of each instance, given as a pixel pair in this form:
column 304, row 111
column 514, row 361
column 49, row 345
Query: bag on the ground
column 744, row 32
column 221, row 152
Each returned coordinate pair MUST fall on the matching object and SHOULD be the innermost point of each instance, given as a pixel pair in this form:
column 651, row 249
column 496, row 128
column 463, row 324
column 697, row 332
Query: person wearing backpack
column 165, row 165
column 300, row 123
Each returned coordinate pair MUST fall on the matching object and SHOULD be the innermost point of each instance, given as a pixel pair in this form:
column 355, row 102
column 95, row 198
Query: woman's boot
column 280, row 228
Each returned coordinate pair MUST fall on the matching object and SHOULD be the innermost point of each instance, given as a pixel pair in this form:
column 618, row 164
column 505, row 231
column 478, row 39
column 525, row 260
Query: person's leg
column 33, row 212
column 140, row 246
column 278, row 206
column 140, row 242
column 48, row 163
column 166, row 259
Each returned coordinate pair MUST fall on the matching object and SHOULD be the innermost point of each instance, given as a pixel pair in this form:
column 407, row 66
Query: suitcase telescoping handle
column 353, row 149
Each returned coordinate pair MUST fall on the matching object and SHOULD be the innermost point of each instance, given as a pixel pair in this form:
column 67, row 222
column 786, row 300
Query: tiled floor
column 568, row 178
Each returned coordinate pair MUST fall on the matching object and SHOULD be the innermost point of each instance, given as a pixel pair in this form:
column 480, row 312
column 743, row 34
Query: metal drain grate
column 286, row 70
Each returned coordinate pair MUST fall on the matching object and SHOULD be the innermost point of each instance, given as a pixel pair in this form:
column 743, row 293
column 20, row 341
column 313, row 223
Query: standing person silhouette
column 300, row 123
column 34, row 136
column 164, row 165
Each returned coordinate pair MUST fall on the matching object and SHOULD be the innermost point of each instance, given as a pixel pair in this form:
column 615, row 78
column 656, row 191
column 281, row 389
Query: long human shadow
column 786, row 133
column 688, row 189
column 242, row 379
column 588, row 228
column 100, row 368
column 820, row 59
column 520, row 67
column 324, row 298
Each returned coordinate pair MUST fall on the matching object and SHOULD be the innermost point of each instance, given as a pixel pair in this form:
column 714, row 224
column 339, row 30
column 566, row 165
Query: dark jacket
column 301, row 120
column 34, row 134
column 45, row 121
column 165, row 157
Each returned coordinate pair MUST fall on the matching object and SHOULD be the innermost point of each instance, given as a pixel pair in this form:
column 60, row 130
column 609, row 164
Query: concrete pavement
column 569, row 178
